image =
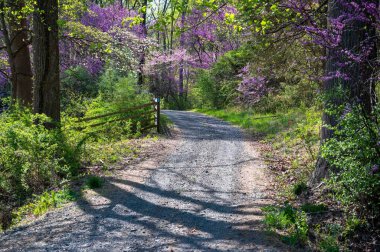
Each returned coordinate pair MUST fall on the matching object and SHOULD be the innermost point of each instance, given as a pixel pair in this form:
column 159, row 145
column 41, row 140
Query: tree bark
column 15, row 36
column 181, row 45
column 46, row 59
column 140, row 79
column 358, row 89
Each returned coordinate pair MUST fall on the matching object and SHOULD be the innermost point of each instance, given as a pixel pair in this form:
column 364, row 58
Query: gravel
column 205, row 195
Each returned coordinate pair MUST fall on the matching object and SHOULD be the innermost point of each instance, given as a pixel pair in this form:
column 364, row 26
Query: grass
column 42, row 203
column 314, row 208
column 292, row 221
column 299, row 188
column 94, row 182
column 268, row 124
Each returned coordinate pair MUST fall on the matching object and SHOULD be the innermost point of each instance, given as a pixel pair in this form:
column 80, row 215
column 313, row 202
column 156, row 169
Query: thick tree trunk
column 23, row 68
column 358, row 89
column 15, row 36
column 46, row 59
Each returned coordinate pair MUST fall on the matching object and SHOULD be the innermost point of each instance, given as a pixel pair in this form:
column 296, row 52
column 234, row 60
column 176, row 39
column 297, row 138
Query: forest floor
column 200, row 190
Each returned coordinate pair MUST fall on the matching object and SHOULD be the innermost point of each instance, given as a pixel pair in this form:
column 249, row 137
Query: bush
column 354, row 155
column 78, row 88
column 32, row 157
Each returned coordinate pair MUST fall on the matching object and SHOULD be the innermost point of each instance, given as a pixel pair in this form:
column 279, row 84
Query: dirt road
column 204, row 195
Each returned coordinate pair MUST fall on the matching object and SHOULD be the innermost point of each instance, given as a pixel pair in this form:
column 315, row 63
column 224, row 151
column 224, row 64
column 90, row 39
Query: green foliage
column 78, row 88
column 329, row 243
column 353, row 224
column 354, row 152
column 42, row 203
column 94, row 182
column 32, row 157
column 216, row 88
column 117, row 92
column 288, row 219
column 268, row 124
column 299, row 188
column 313, row 208
column 328, row 239
column 205, row 95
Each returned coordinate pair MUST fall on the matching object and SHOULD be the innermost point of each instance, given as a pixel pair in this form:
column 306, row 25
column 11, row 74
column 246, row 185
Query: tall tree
column 46, row 59
column 144, row 35
column 181, row 45
column 349, row 69
column 15, row 36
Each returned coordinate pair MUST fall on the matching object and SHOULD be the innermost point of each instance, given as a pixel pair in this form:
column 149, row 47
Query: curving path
column 205, row 195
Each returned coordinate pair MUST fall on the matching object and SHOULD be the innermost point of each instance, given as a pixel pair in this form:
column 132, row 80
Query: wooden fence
column 147, row 114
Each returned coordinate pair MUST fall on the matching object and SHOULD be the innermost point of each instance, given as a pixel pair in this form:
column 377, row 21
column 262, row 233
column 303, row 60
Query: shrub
column 32, row 157
column 79, row 87
column 354, row 155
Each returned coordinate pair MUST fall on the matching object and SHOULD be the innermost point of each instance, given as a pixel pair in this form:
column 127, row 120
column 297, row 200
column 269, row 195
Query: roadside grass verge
column 265, row 124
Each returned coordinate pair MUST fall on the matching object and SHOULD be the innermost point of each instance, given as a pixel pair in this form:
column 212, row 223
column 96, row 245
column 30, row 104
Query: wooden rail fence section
column 140, row 113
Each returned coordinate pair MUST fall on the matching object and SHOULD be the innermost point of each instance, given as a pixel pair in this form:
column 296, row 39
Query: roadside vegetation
column 301, row 76
column 39, row 164
column 282, row 107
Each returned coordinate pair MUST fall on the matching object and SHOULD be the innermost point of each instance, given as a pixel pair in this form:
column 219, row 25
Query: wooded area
column 302, row 76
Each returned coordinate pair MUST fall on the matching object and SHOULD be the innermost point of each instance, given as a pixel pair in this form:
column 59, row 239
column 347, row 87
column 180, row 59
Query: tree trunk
column 140, row 79
column 23, row 68
column 46, row 59
column 15, row 36
column 181, row 45
column 358, row 89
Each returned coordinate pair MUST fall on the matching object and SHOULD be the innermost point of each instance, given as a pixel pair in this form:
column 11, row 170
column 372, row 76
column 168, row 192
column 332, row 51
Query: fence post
column 158, row 111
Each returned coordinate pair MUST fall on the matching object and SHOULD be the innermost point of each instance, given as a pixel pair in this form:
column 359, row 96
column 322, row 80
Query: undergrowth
column 40, row 204
column 291, row 146
column 290, row 220
column 35, row 159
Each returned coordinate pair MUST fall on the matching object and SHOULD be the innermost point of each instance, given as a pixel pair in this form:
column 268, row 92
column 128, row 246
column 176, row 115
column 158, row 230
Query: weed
column 42, row 203
column 313, row 208
column 299, row 188
column 328, row 241
column 288, row 219
column 94, row 182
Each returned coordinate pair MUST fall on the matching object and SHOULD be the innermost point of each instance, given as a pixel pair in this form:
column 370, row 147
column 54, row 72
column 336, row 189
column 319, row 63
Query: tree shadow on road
column 144, row 217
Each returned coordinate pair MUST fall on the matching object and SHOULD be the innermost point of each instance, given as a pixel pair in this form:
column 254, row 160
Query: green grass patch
column 42, row 203
column 260, row 123
column 291, row 221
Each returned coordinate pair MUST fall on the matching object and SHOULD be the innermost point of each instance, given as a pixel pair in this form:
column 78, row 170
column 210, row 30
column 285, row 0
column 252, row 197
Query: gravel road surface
column 204, row 194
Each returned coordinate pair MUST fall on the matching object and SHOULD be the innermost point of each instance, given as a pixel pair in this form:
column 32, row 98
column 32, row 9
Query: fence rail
column 136, row 112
